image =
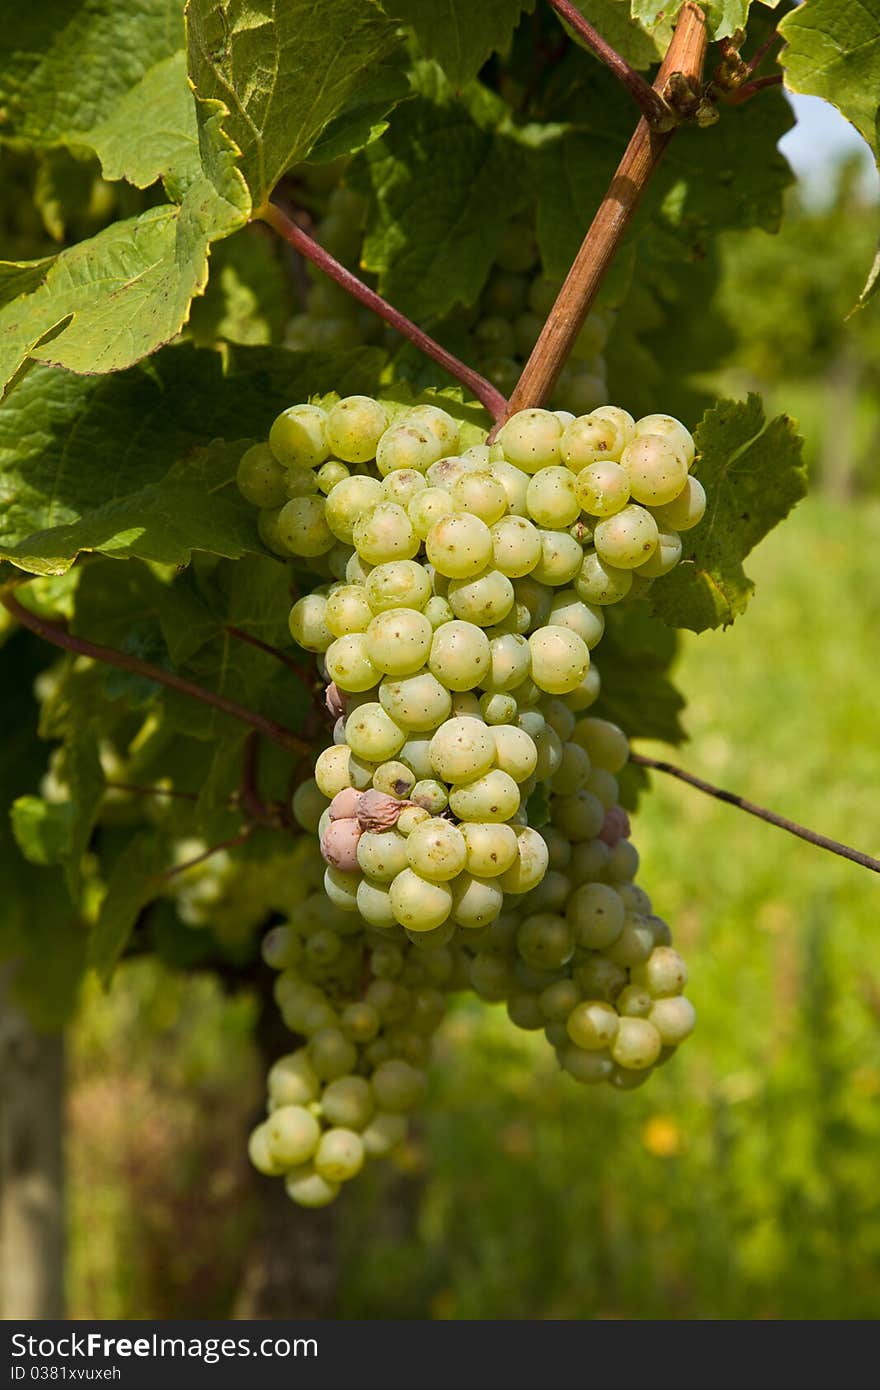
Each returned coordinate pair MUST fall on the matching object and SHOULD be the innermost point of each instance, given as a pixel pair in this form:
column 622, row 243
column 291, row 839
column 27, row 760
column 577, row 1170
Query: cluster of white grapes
column 467, row 590
column 497, row 333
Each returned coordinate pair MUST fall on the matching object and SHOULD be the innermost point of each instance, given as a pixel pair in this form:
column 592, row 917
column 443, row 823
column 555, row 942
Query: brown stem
column 750, row 89
column 231, row 843
column 763, row 49
column 654, row 108
column 685, row 56
column 60, row 637
column 301, row 672
column 484, row 391
column 811, row 836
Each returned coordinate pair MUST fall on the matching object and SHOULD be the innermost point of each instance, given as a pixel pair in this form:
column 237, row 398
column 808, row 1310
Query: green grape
column 299, row 436
column 260, row 1152
column 350, row 499
column 587, row 620
column 623, row 863
column 418, row 703
column 589, row 1068
column 588, row 439
column 531, row 440
column 431, row 795
column 544, row 941
column 623, row 422
column 465, row 705
column 394, row 779
column 360, row 1022
column 491, row 848
column 438, row 612
column 514, row 481
column 381, row 854
column 497, row 708
column 385, row 533
column 635, row 899
column 292, row 1080
column 481, row 495
column 307, row 623
column 373, row 734
column 416, row 752
column 398, row 641
column 348, row 1102
column 657, row 471
column 439, row 422
column 462, row 750
column 593, row 1025
column 390, row 998
column 606, row 744
column 460, row 655
column 600, row 978
column 604, row 786
column 665, row 557
column 494, row 337
column 384, row 1132
column 557, row 1001
column 551, row 498
column 348, row 663
column 559, row 848
column 476, row 901
column 428, row 507
column 601, row 583
column 510, row 663
column 397, row 1086
column 261, row 479
column 400, row 584
column 329, row 475
column 347, row 610
column 524, row 1012
column 494, row 796
column 302, row 482
column 281, row 947
column 628, row 538
column 459, row 546
column 374, row 904
column 490, row 978
column 516, row 546
column 292, row 1134
column 407, row 446
column 483, row 599
column 402, row 486
column 634, row 1002
column 663, row 973
column 667, row 427
column 549, row 746
column 530, row 865
column 515, row 751
column 573, row 771
column 685, row 510
column 308, row 1189
column 634, row 944
column 418, row 904
column 332, row 772
column 596, row 913
column 436, row 850
column 447, row 471
column 603, row 488
column 339, row 1156
column 580, row 816
column 323, row 947
column 561, row 559
column 536, row 597
column 674, row 1019
column 354, row 427
column 636, row 1045
column 302, row 528
column 560, row 659
column 527, row 330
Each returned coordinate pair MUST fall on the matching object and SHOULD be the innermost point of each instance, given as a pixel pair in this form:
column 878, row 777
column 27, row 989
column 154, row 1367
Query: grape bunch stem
column 685, row 58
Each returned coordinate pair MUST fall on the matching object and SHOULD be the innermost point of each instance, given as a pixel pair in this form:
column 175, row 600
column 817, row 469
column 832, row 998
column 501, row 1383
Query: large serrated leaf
column 753, row 474
column 285, row 73
column 459, row 34
column 724, row 16
column 122, row 464
column 434, row 226
column 833, row 51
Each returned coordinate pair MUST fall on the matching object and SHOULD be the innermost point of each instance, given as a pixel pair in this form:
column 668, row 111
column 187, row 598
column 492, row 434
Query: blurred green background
column 741, row 1182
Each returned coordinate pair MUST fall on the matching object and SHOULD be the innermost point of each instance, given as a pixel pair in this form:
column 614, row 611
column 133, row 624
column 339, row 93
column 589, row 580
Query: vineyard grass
column 741, row 1181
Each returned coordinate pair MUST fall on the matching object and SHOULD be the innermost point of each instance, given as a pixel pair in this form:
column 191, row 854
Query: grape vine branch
column 653, row 104
column 812, row 837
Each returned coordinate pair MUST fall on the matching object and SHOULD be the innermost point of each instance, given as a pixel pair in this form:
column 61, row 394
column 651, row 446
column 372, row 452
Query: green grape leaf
column 65, row 68
column 133, row 882
column 41, row 828
column 107, row 463
column 63, row 189
column 285, row 75
column 249, row 297
column 634, row 660
column 724, row 16
column 753, row 473
column 459, row 34
column 108, row 302
column 434, row 227
column 152, row 131
column 832, row 51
